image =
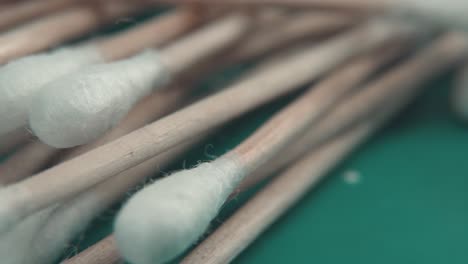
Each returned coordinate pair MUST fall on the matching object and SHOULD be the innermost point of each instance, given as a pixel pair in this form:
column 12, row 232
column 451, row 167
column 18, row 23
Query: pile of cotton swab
column 131, row 103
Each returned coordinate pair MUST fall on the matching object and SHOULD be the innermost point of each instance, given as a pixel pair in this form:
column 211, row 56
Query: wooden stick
column 36, row 154
column 25, row 161
column 272, row 201
column 297, row 27
column 61, row 27
column 328, row 92
column 71, row 177
column 72, row 217
column 103, row 252
column 253, row 218
column 14, row 139
column 15, row 13
column 156, row 32
column 360, row 5
column 400, row 84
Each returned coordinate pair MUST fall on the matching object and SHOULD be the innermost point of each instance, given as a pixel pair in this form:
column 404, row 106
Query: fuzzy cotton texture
column 22, row 78
column 168, row 216
column 16, row 245
column 78, row 108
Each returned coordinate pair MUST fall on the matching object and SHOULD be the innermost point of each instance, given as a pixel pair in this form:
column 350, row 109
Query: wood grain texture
column 13, row 14
column 58, row 28
column 362, row 5
column 154, row 33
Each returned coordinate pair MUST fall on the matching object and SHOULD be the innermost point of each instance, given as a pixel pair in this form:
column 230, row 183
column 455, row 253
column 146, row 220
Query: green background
column 410, row 205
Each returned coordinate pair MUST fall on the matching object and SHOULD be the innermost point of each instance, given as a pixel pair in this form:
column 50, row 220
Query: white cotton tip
column 79, row 107
column 16, row 245
column 22, row 78
column 168, row 216
column 10, row 202
column 460, row 95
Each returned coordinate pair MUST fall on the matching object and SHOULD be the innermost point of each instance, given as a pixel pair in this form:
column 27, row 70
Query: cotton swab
column 254, row 217
column 15, row 13
column 90, row 203
column 61, row 27
column 21, row 79
column 72, row 217
column 447, row 12
column 448, row 50
column 459, row 96
column 354, row 73
column 179, row 208
column 35, row 155
column 248, row 222
column 164, row 219
column 35, row 225
column 71, row 177
column 58, row 224
column 303, row 25
column 299, row 27
column 219, row 244
column 77, row 108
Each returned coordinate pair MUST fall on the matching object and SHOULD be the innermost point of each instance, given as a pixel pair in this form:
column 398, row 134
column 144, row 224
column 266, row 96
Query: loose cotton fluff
column 168, row 216
column 79, row 107
column 22, row 78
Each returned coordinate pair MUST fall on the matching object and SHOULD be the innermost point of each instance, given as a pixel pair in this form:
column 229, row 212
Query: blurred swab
column 451, row 12
column 13, row 14
column 459, row 96
column 68, row 118
column 13, row 140
column 61, row 27
column 298, row 27
column 71, row 177
column 79, row 107
column 36, row 154
column 72, row 217
column 21, row 79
